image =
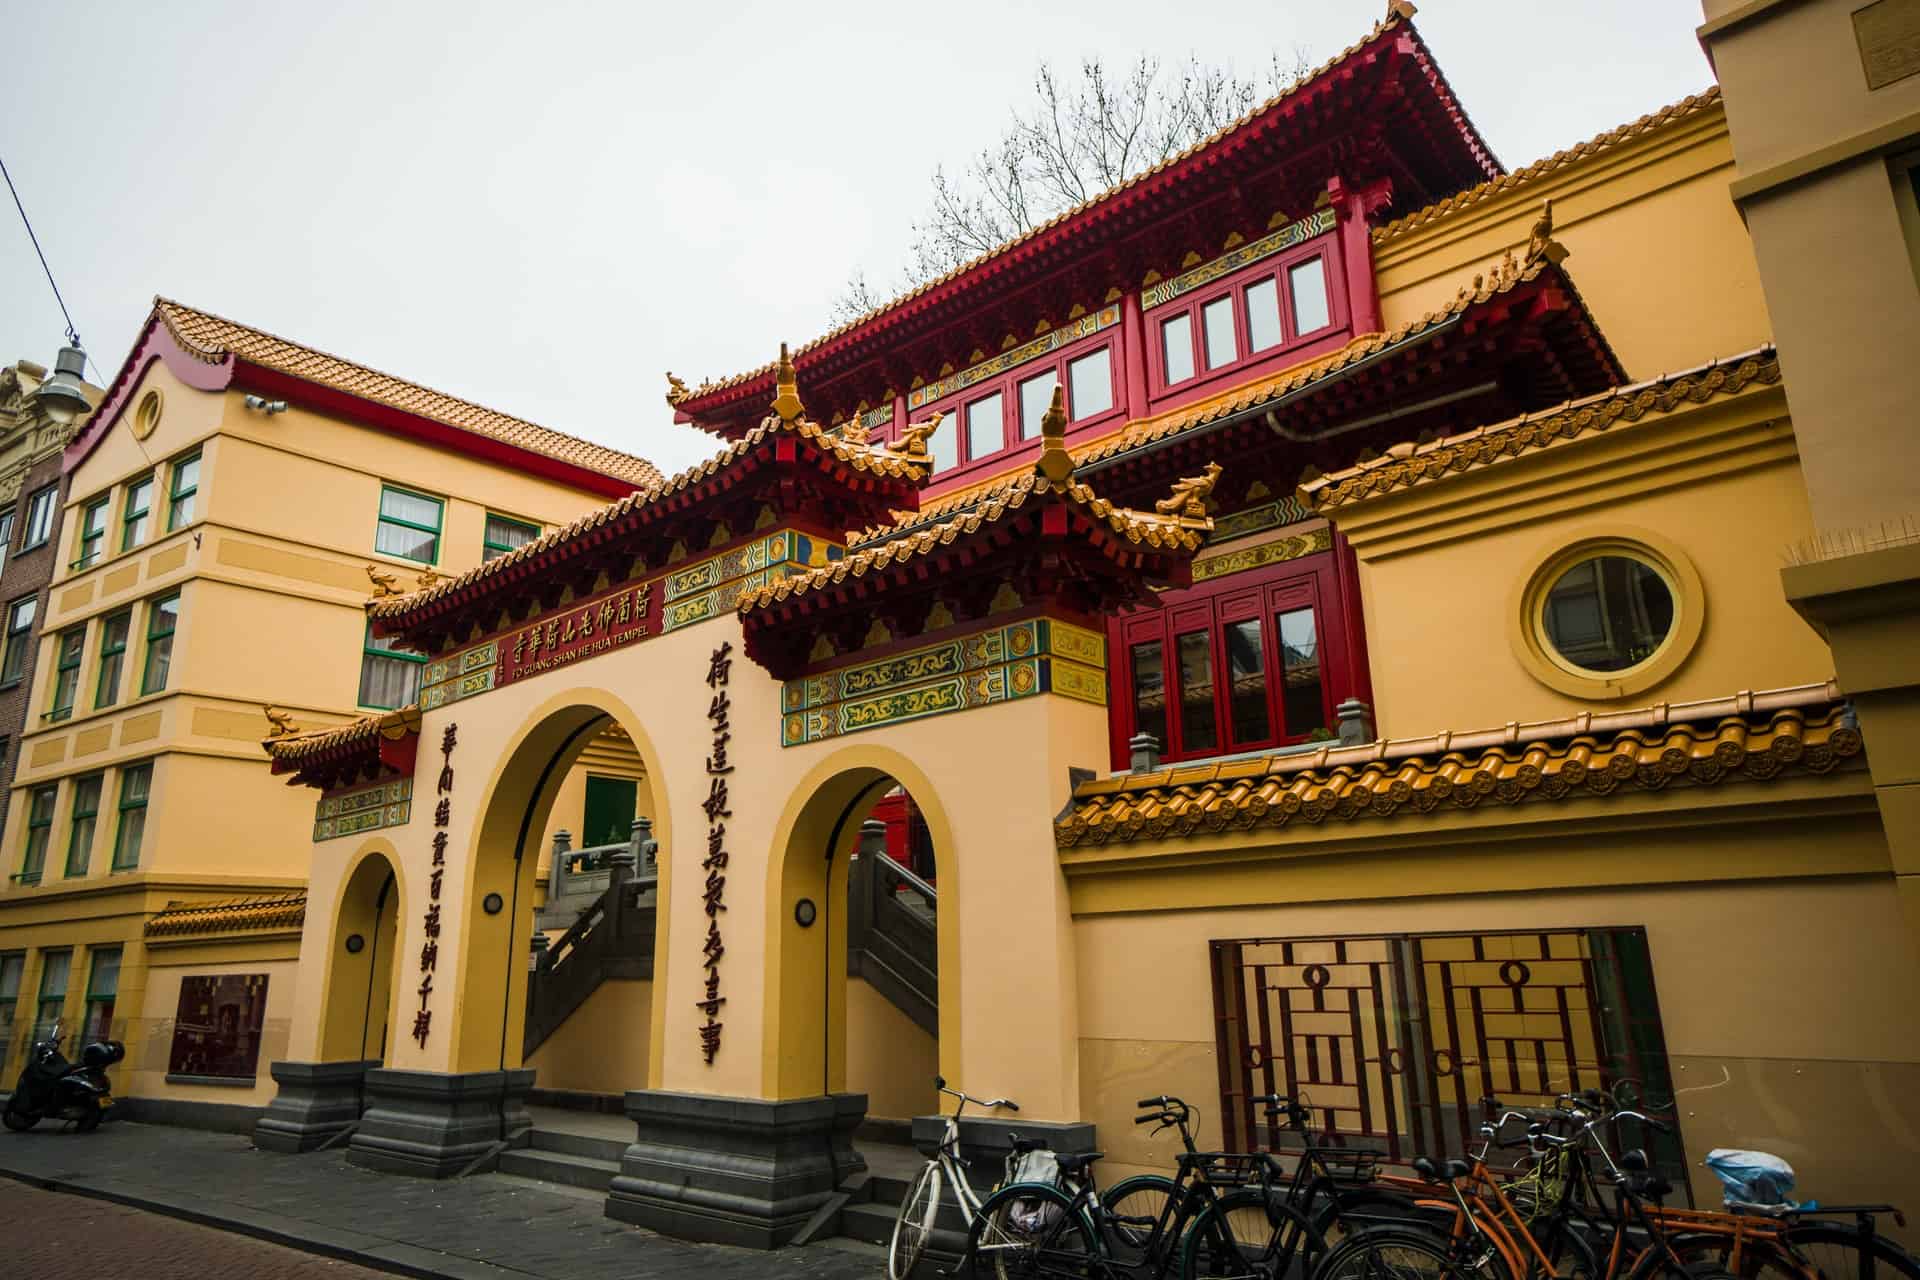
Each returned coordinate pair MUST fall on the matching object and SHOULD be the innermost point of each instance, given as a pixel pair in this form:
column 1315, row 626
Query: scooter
column 51, row 1088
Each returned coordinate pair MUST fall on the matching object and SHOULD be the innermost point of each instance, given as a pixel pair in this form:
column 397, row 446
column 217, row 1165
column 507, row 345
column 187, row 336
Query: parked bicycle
column 944, row 1176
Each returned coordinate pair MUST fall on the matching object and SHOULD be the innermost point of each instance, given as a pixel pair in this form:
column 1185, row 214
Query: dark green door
column 609, row 817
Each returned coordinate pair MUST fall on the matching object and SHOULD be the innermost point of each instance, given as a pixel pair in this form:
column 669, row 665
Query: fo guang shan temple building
column 1291, row 623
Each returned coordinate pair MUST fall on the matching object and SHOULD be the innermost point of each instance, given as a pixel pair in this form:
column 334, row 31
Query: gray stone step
column 873, row 1223
column 580, row 1144
column 559, row 1166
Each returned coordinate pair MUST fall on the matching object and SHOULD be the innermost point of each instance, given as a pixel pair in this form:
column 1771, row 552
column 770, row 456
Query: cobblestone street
column 487, row 1227
column 55, row 1235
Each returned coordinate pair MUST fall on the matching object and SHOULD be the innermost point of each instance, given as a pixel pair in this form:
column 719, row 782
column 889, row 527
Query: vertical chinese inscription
column 719, row 710
column 430, row 949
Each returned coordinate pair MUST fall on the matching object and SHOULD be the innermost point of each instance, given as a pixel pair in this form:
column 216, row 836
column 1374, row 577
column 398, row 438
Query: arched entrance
column 359, row 999
column 598, row 932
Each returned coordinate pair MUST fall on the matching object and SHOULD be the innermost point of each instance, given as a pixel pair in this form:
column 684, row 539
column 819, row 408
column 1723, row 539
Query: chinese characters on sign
column 719, row 667
column 430, row 949
column 577, row 632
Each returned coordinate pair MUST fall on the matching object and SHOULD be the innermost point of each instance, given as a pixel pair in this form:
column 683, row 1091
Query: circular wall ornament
column 1607, row 614
column 492, row 903
column 146, row 415
column 805, row 913
column 355, row 944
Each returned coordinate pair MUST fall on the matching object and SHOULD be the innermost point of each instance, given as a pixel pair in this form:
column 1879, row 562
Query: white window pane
column 1216, row 319
column 1263, row 315
column 1090, row 383
column 397, row 540
column 405, row 506
column 1036, row 394
column 1308, row 283
column 1176, row 340
column 986, row 426
column 944, row 444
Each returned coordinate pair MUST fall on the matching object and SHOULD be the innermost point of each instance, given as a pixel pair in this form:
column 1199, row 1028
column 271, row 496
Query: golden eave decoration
column 1751, row 736
column 293, row 748
column 234, row 915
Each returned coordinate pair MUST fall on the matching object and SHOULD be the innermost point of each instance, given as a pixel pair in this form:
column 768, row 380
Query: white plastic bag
column 1753, row 1177
column 1035, row 1215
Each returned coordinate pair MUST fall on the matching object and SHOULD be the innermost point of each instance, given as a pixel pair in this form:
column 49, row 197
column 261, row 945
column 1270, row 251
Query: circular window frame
column 1527, row 630
column 146, row 423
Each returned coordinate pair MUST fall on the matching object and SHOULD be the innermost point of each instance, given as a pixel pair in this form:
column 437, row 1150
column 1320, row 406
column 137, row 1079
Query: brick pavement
column 487, row 1227
column 54, row 1236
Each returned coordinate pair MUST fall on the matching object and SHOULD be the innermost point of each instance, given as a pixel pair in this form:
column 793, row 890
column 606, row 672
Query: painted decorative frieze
column 1018, row 660
column 1278, row 551
column 349, row 813
column 687, row 593
column 1317, row 223
column 1105, row 318
column 1270, row 515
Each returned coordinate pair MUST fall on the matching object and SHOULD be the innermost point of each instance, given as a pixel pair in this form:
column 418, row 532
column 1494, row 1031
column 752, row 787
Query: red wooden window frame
column 954, row 407
column 1211, row 608
column 1277, row 268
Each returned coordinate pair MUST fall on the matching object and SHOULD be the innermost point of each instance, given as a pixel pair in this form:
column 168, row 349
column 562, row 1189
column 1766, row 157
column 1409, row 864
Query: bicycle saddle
column 1651, row 1186
column 1442, row 1173
column 1079, row 1161
column 1634, row 1160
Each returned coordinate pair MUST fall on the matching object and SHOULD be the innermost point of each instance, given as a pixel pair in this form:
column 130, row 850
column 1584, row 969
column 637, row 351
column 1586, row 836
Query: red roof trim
column 156, row 343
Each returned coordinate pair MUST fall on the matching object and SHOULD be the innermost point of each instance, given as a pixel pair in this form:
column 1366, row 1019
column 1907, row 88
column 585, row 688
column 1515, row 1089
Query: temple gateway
column 1306, row 620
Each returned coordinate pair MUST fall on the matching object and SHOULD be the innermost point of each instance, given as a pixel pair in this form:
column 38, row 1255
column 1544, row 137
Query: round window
column 147, row 416
column 1607, row 613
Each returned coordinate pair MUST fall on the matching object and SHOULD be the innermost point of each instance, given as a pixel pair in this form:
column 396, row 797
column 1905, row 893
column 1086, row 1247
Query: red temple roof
column 372, row 747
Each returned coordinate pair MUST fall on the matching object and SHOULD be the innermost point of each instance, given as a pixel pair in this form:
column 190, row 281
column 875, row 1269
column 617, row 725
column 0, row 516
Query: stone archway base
column 432, row 1124
column 317, row 1101
column 740, row 1171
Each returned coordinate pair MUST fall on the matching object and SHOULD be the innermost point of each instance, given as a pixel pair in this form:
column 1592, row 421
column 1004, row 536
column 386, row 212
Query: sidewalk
column 486, row 1227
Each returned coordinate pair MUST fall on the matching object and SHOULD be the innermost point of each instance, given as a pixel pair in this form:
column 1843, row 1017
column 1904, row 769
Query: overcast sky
column 542, row 207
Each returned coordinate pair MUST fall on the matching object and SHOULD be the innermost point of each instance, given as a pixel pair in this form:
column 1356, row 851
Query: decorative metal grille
column 1393, row 1040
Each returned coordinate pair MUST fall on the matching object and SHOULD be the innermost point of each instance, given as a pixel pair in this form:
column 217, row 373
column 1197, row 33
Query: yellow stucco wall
column 146, row 1075
column 596, row 1049
column 889, row 1057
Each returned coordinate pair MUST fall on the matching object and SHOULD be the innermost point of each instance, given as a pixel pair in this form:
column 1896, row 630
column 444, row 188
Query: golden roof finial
column 1189, row 496
column 913, row 437
column 1401, row 9
column 676, row 390
column 1055, row 463
column 279, row 723
column 786, row 389
column 1540, row 241
column 384, row 584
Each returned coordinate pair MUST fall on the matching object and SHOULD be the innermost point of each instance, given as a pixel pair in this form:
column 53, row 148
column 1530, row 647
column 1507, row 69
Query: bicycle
column 913, row 1227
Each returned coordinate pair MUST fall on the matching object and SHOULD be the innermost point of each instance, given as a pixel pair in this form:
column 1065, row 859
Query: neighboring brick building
column 32, row 492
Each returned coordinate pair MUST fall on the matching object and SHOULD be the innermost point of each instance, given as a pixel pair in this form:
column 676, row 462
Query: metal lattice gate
column 1393, row 1040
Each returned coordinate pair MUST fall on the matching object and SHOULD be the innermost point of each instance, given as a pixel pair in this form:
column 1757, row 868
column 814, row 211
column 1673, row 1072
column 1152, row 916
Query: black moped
column 51, row 1088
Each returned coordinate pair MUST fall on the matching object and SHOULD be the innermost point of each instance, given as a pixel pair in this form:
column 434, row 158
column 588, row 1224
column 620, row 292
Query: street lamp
column 64, row 396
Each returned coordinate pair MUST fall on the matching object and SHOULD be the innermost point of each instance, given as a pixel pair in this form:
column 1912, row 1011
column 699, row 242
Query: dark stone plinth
column 735, row 1171
column 432, row 1124
column 315, row 1102
column 986, row 1140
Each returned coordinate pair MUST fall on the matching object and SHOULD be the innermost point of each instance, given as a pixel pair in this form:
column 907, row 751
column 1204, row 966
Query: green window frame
column 607, row 815
column 6, row 537
column 39, row 831
column 163, row 616
column 113, row 657
column 85, row 822
column 504, row 534
column 183, row 485
column 56, row 969
column 103, row 987
column 40, row 507
column 133, row 523
column 136, row 782
column 403, row 531
column 69, row 648
column 12, row 967
column 92, row 540
column 389, row 677
column 19, row 650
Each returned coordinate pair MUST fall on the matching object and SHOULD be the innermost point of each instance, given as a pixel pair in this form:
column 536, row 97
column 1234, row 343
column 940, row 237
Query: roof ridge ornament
column 1189, row 497
column 677, row 390
column 279, row 723
column 786, row 390
column 384, row 584
column 914, row 436
column 1055, row 463
column 1540, row 241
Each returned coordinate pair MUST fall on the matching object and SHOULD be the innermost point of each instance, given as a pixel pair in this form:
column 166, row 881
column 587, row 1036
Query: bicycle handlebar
column 940, row 1085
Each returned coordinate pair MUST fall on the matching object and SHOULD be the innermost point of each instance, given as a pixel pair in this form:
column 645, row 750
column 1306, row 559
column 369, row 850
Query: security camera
column 266, row 406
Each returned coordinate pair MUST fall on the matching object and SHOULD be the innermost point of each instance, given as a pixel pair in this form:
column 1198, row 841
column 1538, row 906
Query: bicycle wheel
column 1389, row 1253
column 913, row 1226
column 1134, row 1207
column 1247, row 1235
column 1027, row 1231
column 1364, row 1208
column 1839, row 1252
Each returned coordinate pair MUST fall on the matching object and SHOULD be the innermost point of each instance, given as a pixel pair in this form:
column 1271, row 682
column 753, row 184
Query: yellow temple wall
column 595, row 1050
column 1779, row 997
column 889, row 1057
column 1656, row 249
column 277, row 958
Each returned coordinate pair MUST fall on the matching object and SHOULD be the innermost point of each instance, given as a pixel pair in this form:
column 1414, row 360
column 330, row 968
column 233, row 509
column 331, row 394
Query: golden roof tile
column 1753, row 736
column 233, row 915
column 877, row 550
column 1652, row 122
column 1406, row 465
column 877, row 460
column 1396, row 16
column 294, row 748
column 211, row 338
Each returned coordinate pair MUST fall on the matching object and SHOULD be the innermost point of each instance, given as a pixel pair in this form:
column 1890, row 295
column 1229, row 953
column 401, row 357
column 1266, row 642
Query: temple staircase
column 611, row 933
column 891, row 940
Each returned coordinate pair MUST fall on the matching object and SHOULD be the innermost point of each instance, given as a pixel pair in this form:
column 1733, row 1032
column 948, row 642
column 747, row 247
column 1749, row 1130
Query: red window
column 1260, row 311
column 1254, row 661
column 1000, row 414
